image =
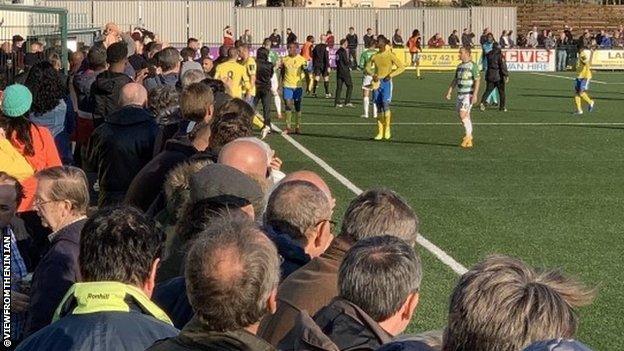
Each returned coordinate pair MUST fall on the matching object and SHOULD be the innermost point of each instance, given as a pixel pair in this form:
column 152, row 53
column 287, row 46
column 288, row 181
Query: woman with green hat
column 35, row 143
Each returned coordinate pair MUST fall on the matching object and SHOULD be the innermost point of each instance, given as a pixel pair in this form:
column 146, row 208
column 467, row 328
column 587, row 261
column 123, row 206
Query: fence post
column 63, row 23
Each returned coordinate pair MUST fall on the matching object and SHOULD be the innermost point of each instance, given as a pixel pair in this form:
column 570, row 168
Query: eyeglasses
column 39, row 203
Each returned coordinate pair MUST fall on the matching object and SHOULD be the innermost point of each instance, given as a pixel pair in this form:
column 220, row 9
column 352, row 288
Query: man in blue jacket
column 110, row 309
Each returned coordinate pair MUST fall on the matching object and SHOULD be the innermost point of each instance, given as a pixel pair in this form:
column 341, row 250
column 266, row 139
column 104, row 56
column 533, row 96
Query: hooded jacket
column 293, row 255
column 102, row 316
column 119, row 148
column 345, row 324
column 105, row 92
column 195, row 336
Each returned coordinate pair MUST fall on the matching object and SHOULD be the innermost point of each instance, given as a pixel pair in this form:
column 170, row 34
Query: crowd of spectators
column 199, row 241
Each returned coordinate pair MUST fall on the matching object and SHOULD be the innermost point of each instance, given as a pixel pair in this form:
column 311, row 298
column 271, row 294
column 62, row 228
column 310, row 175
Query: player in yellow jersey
column 233, row 74
column 250, row 92
column 582, row 84
column 383, row 66
column 293, row 75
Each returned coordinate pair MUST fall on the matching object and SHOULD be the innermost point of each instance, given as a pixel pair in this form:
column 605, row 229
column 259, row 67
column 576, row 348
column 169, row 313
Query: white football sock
column 375, row 110
column 278, row 104
column 467, row 126
column 366, row 105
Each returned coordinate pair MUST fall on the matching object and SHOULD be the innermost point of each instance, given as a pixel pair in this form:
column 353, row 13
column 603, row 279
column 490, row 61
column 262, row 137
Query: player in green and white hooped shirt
column 467, row 83
column 367, row 81
column 274, row 59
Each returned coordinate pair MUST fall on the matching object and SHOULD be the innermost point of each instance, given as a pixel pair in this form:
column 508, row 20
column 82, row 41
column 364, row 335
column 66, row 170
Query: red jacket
column 45, row 156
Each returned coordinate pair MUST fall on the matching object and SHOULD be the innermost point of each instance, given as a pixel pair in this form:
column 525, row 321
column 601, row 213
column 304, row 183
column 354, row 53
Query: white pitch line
column 569, row 78
column 431, row 247
column 474, row 123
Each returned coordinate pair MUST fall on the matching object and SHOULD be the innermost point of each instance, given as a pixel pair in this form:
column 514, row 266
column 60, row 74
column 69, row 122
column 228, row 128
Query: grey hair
column 68, row 183
column 295, row 207
column 502, row 304
column 378, row 274
column 380, row 212
column 231, row 270
column 192, row 76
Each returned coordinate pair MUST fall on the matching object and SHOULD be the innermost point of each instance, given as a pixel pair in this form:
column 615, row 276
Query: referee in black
column 343, row 74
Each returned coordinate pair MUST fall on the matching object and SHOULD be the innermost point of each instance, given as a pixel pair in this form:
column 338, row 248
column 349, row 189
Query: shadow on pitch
column 594, row 126
column 364, row 139
column 569, row 96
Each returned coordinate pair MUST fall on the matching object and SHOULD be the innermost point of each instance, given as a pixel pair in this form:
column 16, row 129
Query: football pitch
column 540, row 184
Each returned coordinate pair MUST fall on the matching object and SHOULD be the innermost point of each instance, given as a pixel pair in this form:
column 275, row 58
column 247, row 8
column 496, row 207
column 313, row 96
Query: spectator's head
column 11, row 195
column 323, row 38
column 315, row 179
column 117, row 54
column 372, row 44
column 369, row 31
column 133, row 94
column 288, row 30
column 232, row 272
column 397, row 31
column 302, row 211
column 246, row 32
column 192, row 76
column 193, row 43
column 196, row 103
column 466, row 31
column 54, row 59
column 169, row 60
column 228, row 127
column 120, row 244
column 152, row 49
column 247, row 156
column 329, row 32
column 310, row 39
column 293, row 49
column 36, row 47
column 344, row 43
column 16, row 103
column 243, row 52
column 97, row 58
column 233, row 54
column 266, row 43
column 275, row 31
column 379, row 212
column 204, row 51
column 62, row 196
column 187, row 54
column 111, row 28
column 46, row 85
column 240, row 107
column 454, row 32
column 504, row 305
column 351, row 30
column 163, row 102
column 207, row 64
column 18, row 41
column 382, row 275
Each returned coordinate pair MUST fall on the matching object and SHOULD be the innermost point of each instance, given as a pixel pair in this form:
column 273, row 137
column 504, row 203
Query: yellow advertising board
column 439, row 59
column 607, row 59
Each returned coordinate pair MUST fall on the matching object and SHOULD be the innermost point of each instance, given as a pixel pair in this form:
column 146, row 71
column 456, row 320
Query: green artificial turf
column 550, row 193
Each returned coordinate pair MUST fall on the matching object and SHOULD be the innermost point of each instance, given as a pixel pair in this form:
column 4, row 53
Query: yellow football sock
column 380, row 127
column 297, row 119
column 387, row 121
column 288, row 118
column 258, row 121
column 577, row 102
column 586, row 98
column 417, row 71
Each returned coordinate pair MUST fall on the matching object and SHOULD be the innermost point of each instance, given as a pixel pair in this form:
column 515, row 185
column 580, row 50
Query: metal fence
column 176, row 20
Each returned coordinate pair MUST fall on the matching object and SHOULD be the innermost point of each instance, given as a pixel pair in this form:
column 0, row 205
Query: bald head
column 311, row 177
column 246, row 156
column 133, row 94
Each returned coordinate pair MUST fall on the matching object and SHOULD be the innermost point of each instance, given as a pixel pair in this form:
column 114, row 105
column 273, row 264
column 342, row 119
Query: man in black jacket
column 122, row 145
column 264, row 73
column 276, row 39
column 343, row 74
column 368, row 37
column 105, row 90
column 290, row 36
column 496, row 76
column 320, row 64
column 352, row 39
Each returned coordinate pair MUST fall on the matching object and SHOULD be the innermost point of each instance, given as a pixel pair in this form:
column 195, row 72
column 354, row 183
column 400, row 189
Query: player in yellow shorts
column 250, row 93
column 582, row 84
column 383, row 66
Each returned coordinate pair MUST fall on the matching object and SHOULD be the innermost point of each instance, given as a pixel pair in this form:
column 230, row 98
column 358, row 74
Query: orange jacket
column 306, row 51
column 45, row 156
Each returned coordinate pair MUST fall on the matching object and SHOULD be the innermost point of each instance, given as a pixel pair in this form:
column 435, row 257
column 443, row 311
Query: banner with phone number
column 441, row 59
column 607, row 59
